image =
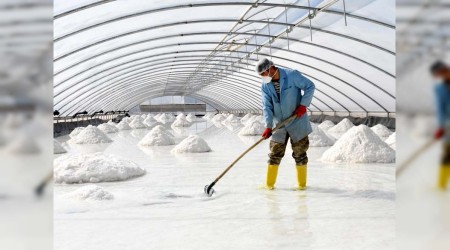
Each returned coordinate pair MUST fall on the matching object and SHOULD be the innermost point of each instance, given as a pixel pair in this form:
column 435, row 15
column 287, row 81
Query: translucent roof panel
column 113, row 55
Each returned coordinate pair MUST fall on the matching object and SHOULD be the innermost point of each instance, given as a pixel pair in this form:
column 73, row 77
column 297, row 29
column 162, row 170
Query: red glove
column 300, row 110
column 267, row 133
column 439, row 133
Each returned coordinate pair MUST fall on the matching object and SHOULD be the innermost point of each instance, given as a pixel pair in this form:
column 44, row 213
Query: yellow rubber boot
column 444, row 176
column 272, row 172
column 301, row 176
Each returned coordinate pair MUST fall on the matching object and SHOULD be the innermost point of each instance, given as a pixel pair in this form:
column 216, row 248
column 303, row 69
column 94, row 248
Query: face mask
column 267, row 79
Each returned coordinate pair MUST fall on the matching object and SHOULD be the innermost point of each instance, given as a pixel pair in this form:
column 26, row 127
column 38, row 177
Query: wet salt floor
column 345, row 206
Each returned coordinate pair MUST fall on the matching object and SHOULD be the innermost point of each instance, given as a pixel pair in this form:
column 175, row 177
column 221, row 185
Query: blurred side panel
column 423, row 210
column 26, row 150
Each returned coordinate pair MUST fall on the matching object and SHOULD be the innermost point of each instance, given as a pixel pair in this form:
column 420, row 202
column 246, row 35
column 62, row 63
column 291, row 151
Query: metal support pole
column 270, row 39
column 309, row 17
column 345, row 13
column 287, row 32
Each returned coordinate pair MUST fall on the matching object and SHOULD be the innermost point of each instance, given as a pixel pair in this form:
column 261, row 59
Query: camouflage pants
column 445, row 158
column 299, row 149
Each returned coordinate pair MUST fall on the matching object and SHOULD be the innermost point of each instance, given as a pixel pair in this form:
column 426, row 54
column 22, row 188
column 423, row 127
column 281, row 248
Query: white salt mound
column 108, row 128
column 181, row 122
column 342, row 126
column 123, row 125
column 96, row 167
column 318, row 138
column 89, row 193
column 381, row 130
column 245, row 118
column 75, row 132
column 252, row 128
column 359, row 145
column 90, row 135
column 326, row 125
column 391, row 141
column 218, row 118
column 150, row 121
column 58, row 148
column 231, row 119
column 258, row 118
column 137, row 124
column 23, row 144
column 192, row 144
column 191, row 117
column 158, row 136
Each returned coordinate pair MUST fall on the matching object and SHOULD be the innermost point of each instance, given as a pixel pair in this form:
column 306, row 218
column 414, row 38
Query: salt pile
column 246, row 117
column 208, row 116
column 359, row 145
column 107, row 128
column 144, row 116
column 158, row 136
column 89, row 193
column 23, row 144
column 257, row 118
column 58, row 148
column 326, row 125
column 391, row 141
column 181, row 122
column 318, row 138
column 180, row 116
column 123, row 125
column 382, row 131
column 218, row 118
column 136, row 123
column 90, row 135
column 96, row 167
column 231, row 119
column 342, row 126
column 191, row 117
column 164, row 118
column 150, row 121
column 192, row 144
column 252, row 128
column 75, row 132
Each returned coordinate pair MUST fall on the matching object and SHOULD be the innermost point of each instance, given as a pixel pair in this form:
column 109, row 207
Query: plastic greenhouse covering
column 113, row 55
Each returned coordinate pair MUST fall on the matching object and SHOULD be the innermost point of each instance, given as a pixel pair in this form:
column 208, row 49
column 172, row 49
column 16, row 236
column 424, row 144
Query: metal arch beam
column 260, row 53
column 224, row 21
column 119, row 95
column 214, row 33
column 277, row 48
column 143, row 83
column 153, row 77
column 273, row 5
column 109, row 89
column 112, row 89
column 335, row 88
column 215, row 105
column 143, row 93
column 317, row 90
column 146, row 74
column 140, row 99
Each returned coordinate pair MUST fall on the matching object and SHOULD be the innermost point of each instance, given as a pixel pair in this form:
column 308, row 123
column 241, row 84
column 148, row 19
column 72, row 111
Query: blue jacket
column 275, row 109
column 442, row 93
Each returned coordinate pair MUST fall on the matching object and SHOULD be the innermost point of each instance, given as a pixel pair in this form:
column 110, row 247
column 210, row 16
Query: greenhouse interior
column 157, row 102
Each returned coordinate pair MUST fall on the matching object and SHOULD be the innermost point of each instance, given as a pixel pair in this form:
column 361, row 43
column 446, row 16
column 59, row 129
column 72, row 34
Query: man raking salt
column 282, row 97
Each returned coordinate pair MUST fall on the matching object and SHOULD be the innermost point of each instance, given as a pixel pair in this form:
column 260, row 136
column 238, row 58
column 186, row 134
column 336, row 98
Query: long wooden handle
column 279, row 125
column 416, row 154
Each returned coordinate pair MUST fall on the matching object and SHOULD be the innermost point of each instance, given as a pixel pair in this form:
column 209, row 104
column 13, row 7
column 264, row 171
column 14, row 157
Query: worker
column 441, row 71
column 282, row 97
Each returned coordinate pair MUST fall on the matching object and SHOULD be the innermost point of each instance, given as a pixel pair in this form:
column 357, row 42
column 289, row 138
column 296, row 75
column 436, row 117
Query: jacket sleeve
column 267, row 108
column 440, row 106
column 306, row 85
